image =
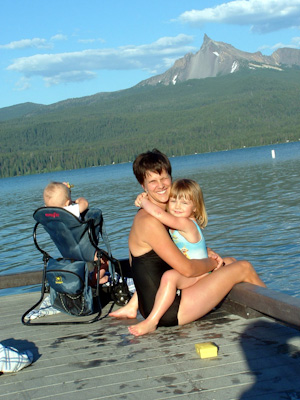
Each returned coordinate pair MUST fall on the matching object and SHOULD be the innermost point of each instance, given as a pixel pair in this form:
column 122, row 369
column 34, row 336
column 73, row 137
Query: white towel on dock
column 11, row 360
column 45, row 309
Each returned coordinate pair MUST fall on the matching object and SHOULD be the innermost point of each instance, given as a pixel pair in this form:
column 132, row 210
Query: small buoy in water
column 273, row 153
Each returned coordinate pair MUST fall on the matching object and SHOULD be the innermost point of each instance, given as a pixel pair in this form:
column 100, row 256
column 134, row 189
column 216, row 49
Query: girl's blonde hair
column 190, row 190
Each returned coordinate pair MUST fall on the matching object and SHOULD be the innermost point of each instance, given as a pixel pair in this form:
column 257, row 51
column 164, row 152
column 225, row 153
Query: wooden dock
column 258, row 358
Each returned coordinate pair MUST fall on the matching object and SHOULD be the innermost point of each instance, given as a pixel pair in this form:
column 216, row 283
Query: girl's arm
column 158, row 239
column 178, row 223
column 83, row 204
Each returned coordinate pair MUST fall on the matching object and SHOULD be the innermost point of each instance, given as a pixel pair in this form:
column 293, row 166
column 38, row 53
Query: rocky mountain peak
column 218, row 58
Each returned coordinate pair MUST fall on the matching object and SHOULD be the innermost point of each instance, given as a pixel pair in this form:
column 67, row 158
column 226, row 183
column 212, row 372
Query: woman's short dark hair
column 153, row 161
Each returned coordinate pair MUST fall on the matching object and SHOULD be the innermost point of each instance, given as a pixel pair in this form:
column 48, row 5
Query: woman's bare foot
column 142, row 328
column 128, row 311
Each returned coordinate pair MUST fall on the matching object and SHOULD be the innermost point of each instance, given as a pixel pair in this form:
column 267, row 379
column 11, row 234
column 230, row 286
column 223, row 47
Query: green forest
column 248, row 108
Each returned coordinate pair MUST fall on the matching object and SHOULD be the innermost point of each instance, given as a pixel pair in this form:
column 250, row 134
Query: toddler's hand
column 219, row 266
column 138, row 200
column 216, row 257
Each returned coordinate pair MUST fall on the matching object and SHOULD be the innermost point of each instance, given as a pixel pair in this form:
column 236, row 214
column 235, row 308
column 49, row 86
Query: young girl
column 186, row 217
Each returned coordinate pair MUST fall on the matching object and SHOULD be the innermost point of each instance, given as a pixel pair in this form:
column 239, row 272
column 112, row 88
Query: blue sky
column 52, row 50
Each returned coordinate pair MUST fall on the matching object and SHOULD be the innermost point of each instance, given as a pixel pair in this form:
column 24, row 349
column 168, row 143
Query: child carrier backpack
column 70, row 279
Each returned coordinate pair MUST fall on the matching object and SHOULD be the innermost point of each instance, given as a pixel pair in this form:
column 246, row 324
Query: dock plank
column 257, row 358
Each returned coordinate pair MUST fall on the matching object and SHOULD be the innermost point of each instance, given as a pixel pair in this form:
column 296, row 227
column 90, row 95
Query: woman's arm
column 178, row 223
column 157, row 237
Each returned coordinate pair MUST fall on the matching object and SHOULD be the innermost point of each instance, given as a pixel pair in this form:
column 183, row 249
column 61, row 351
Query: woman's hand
column 215, row 256
column 138, row 200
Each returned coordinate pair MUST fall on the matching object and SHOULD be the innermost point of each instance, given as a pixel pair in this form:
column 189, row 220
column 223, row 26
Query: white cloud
column 91, row 40
column 22, row 84
column 37, row 43
column 295, row 44
column 76, row 66
column 262, row 15
column 59, row 37
column 26, row 43
column 296, row 41
column 72, row 76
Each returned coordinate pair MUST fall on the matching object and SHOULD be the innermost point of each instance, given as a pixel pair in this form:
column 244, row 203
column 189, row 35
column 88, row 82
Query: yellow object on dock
column 206, row 350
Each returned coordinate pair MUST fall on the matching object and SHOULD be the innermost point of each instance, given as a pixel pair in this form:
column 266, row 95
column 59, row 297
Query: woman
column 153, row 252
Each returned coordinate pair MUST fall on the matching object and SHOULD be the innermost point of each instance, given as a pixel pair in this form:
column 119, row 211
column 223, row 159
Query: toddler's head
column 56, row 194
column 190, row 190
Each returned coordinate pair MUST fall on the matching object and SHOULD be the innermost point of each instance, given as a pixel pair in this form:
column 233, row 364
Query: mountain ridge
column 254, row 105
column 211, row 60
column 219, row 58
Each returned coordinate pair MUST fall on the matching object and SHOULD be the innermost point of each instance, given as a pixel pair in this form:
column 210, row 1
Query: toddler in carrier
column 58, row 194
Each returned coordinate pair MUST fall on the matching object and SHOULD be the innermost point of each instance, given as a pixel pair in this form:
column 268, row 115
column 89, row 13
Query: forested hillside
column 249, row 108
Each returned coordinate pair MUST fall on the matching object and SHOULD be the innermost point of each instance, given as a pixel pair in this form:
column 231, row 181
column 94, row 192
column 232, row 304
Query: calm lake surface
column 252, row 202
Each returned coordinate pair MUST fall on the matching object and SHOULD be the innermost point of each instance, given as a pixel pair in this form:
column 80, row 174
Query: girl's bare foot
column 142, row 328
column 128, row 311
column 104, row 279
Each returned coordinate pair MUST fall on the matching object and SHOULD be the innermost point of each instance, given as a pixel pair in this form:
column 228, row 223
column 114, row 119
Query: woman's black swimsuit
column 147, row 271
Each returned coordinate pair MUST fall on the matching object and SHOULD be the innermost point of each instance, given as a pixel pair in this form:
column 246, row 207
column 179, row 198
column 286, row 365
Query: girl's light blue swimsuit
column 190, row 250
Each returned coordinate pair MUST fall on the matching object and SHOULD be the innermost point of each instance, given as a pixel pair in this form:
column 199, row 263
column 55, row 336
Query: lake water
column 252, row 202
